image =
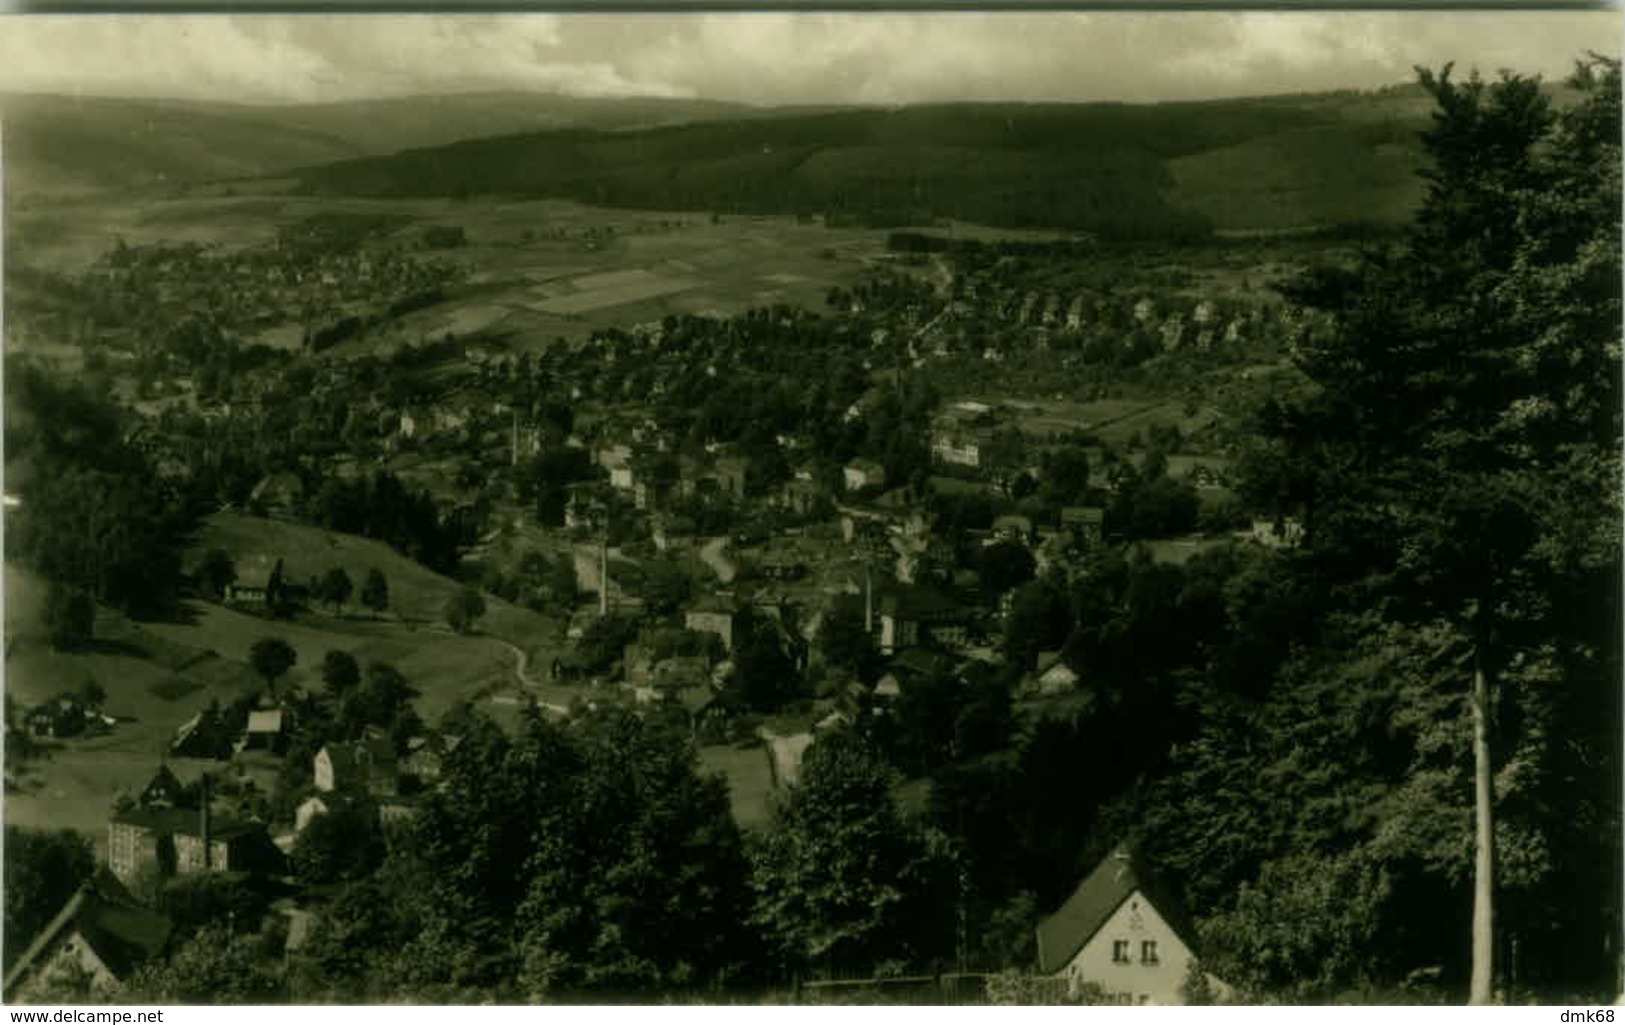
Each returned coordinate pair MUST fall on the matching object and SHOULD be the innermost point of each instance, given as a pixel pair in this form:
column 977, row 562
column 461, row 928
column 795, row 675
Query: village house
column 673, row 532
column 863, row 473
column 67, row 716
column 426, row 756
column 278, row 495
column 100, row 936
column 1012, row 528
column 1086, row 523
column 730, row 473
column 716, row 615
column 202, row 736
column 1051, row 676
column 164, row 790
column 1121, row 931
column 961, row 433
column 921, row 615
column 617, row 462
column 313, row 806
column 266, row 731
column 181, row 841
column 366, row 765
column 1285, row 532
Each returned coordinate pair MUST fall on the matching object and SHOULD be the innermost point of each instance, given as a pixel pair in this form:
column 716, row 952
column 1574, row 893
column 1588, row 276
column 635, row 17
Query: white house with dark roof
column 101, row 935
column 1122, row 932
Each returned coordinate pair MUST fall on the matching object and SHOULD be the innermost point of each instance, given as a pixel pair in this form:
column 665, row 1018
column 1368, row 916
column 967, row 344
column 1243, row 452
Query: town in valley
column 510, row 547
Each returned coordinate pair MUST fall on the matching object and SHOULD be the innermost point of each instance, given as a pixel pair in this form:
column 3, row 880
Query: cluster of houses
column 67, row 715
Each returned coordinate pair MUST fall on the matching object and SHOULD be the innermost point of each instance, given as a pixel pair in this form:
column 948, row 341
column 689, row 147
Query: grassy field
column 538, row 269
column 153, row 684
column 158, row 675
column 417, row 595
column 750, row 780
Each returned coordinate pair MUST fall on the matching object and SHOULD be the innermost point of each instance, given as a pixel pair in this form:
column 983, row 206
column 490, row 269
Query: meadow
column 157, row 675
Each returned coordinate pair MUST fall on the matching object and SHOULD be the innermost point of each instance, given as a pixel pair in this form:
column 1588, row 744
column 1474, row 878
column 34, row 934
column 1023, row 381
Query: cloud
column 777, row 58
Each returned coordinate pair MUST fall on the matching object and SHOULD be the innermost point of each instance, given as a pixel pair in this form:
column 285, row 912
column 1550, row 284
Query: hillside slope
column 1116, row 169
column 68, row 144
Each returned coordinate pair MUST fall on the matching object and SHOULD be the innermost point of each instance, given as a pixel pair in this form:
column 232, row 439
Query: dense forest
column 1102, row 168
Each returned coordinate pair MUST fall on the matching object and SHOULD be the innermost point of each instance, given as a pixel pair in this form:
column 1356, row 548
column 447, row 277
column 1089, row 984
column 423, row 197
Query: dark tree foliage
column 1448, row 721
column 343, row 845
column 42, row 870
column 566, row 862
column 375, row 591
column 218, row 571
column 340, row 672
column 336, row 587
column 464, row 609
column 271, row 657
column 843, row 882
column 70, row 617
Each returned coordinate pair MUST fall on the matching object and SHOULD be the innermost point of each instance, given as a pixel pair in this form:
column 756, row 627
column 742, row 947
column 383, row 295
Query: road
column 522, row 663
column 714, row 553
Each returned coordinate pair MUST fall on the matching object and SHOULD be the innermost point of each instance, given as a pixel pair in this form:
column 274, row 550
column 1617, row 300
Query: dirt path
column 521, row 663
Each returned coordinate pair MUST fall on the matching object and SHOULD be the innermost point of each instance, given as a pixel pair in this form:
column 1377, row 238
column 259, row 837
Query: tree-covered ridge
column 1102, row 168
column 1457, row 471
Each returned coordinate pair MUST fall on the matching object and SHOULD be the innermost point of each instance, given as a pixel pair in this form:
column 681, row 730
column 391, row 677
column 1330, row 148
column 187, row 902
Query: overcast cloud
column 780, row 58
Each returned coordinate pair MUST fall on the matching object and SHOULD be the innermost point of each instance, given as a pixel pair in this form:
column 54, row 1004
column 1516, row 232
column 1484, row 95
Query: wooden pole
column 1480, row 991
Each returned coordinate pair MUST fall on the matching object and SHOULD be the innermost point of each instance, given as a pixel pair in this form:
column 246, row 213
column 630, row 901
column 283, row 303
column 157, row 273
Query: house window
column 1148, row 952
column 1120, row 951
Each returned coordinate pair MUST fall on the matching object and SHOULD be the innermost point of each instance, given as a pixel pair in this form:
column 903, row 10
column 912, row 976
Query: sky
column 781, row 58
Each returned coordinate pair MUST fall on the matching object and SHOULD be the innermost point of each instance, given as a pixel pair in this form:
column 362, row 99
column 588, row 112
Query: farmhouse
column 67, row 716
column 367, row 765
column 100, row 933
column 265, row 731
column 162, row 791
column 202, row 736
column 1120, row 931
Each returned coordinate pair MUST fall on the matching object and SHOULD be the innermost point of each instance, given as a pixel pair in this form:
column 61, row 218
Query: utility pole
column 603, row 572
column 203, row 825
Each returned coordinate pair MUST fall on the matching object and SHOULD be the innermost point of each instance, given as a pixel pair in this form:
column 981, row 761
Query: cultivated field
column 535, row 270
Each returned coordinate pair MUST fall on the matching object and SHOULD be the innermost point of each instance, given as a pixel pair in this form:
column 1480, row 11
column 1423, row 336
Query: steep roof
column 265, row 721
column 121, row 934
column 1102, row 892
column 920, row 603
column 360, row 757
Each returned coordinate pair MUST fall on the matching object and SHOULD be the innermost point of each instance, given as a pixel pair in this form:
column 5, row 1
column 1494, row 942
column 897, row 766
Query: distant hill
column 1120, row 170
column 65, row 144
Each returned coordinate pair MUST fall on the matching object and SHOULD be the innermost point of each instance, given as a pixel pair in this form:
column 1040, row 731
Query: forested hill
column 1117, row 169
column 78, row 143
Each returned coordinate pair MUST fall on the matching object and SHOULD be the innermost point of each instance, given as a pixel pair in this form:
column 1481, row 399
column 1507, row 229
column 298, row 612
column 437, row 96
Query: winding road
column 521, row 663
